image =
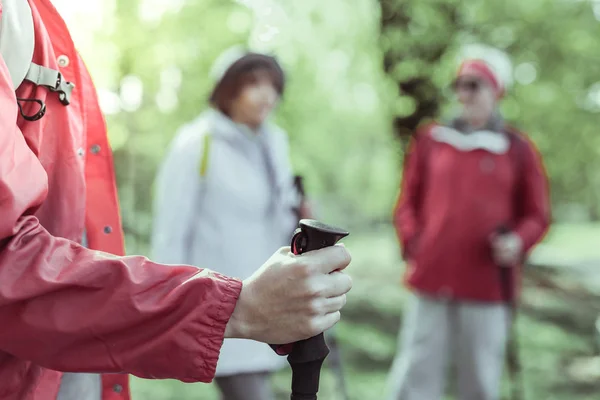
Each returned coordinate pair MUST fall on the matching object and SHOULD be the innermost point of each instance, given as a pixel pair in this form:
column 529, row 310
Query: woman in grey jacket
column 227, row 179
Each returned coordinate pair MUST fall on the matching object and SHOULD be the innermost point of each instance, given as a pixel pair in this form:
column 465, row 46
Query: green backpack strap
column 204, row 158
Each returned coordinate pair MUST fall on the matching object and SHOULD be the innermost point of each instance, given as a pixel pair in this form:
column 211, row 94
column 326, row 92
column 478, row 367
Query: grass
column 570, row 243
column 555, row 335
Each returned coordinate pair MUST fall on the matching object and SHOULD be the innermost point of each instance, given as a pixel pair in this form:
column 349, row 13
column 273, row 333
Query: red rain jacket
column 64, row 307
column 452, row 201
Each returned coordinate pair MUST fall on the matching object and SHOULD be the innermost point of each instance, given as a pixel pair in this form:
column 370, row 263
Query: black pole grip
column 307, row 356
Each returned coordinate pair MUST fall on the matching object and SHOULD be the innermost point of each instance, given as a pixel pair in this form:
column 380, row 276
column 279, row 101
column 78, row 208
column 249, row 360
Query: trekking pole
column 306, row 356
column 512, row 349
column 335, row 358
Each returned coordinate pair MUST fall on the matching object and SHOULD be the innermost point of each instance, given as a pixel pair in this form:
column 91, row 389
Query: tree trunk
column 420, row 87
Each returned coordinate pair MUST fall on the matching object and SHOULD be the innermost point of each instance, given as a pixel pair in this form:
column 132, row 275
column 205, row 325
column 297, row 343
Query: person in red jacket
column 462, row 183
column 71, row 305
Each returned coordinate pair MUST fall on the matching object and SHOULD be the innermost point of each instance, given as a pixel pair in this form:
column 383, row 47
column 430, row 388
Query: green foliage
column 340, row 100
column 333, row 110
column 554, row 47
column 367, row 334
column 354, row 67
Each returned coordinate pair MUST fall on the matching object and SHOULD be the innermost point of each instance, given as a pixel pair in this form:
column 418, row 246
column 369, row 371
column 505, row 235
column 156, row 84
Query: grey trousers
column 80, row 386
column 474, row 334
column 252, row 386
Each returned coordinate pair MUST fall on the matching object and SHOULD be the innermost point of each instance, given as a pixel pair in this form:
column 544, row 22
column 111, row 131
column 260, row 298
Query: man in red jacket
column 462, row 183
column 69, row 300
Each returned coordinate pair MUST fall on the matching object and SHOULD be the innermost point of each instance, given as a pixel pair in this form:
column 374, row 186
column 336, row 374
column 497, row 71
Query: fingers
column 509, row 242
column 284, row 251
column 328, row 259
column 506, row 257
column 331, row 285
column 325, row 322
column 324, row 306
column 506, row 249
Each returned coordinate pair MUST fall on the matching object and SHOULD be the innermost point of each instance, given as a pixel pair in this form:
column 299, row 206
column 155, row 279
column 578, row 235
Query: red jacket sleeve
column 535, row 199
column 406, row 208
column 69, row 308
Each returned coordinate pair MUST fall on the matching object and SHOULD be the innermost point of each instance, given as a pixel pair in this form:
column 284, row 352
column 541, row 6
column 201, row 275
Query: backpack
column 17, row 43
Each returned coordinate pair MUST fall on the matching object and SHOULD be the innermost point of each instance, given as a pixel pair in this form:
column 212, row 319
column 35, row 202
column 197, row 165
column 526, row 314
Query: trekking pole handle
column 306, row 356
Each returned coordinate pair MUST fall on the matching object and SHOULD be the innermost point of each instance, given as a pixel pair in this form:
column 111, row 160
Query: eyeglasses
column 468, row 85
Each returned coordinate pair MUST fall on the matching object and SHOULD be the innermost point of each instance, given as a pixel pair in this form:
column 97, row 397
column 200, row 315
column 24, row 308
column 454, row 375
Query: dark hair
column 244, row 72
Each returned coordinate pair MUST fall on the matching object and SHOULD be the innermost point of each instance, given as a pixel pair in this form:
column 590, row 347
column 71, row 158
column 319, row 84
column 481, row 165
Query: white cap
column 498, row 61
column 225, row 60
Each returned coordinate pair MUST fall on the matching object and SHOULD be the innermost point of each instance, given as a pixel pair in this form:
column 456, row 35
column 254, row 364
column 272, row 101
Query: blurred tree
column 352, row 68
column 554, row 47
column 415, row 36
column 362, row 74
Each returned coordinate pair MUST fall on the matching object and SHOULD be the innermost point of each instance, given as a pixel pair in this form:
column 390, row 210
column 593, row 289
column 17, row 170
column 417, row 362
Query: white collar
column 494, row 142
column 228, row 127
